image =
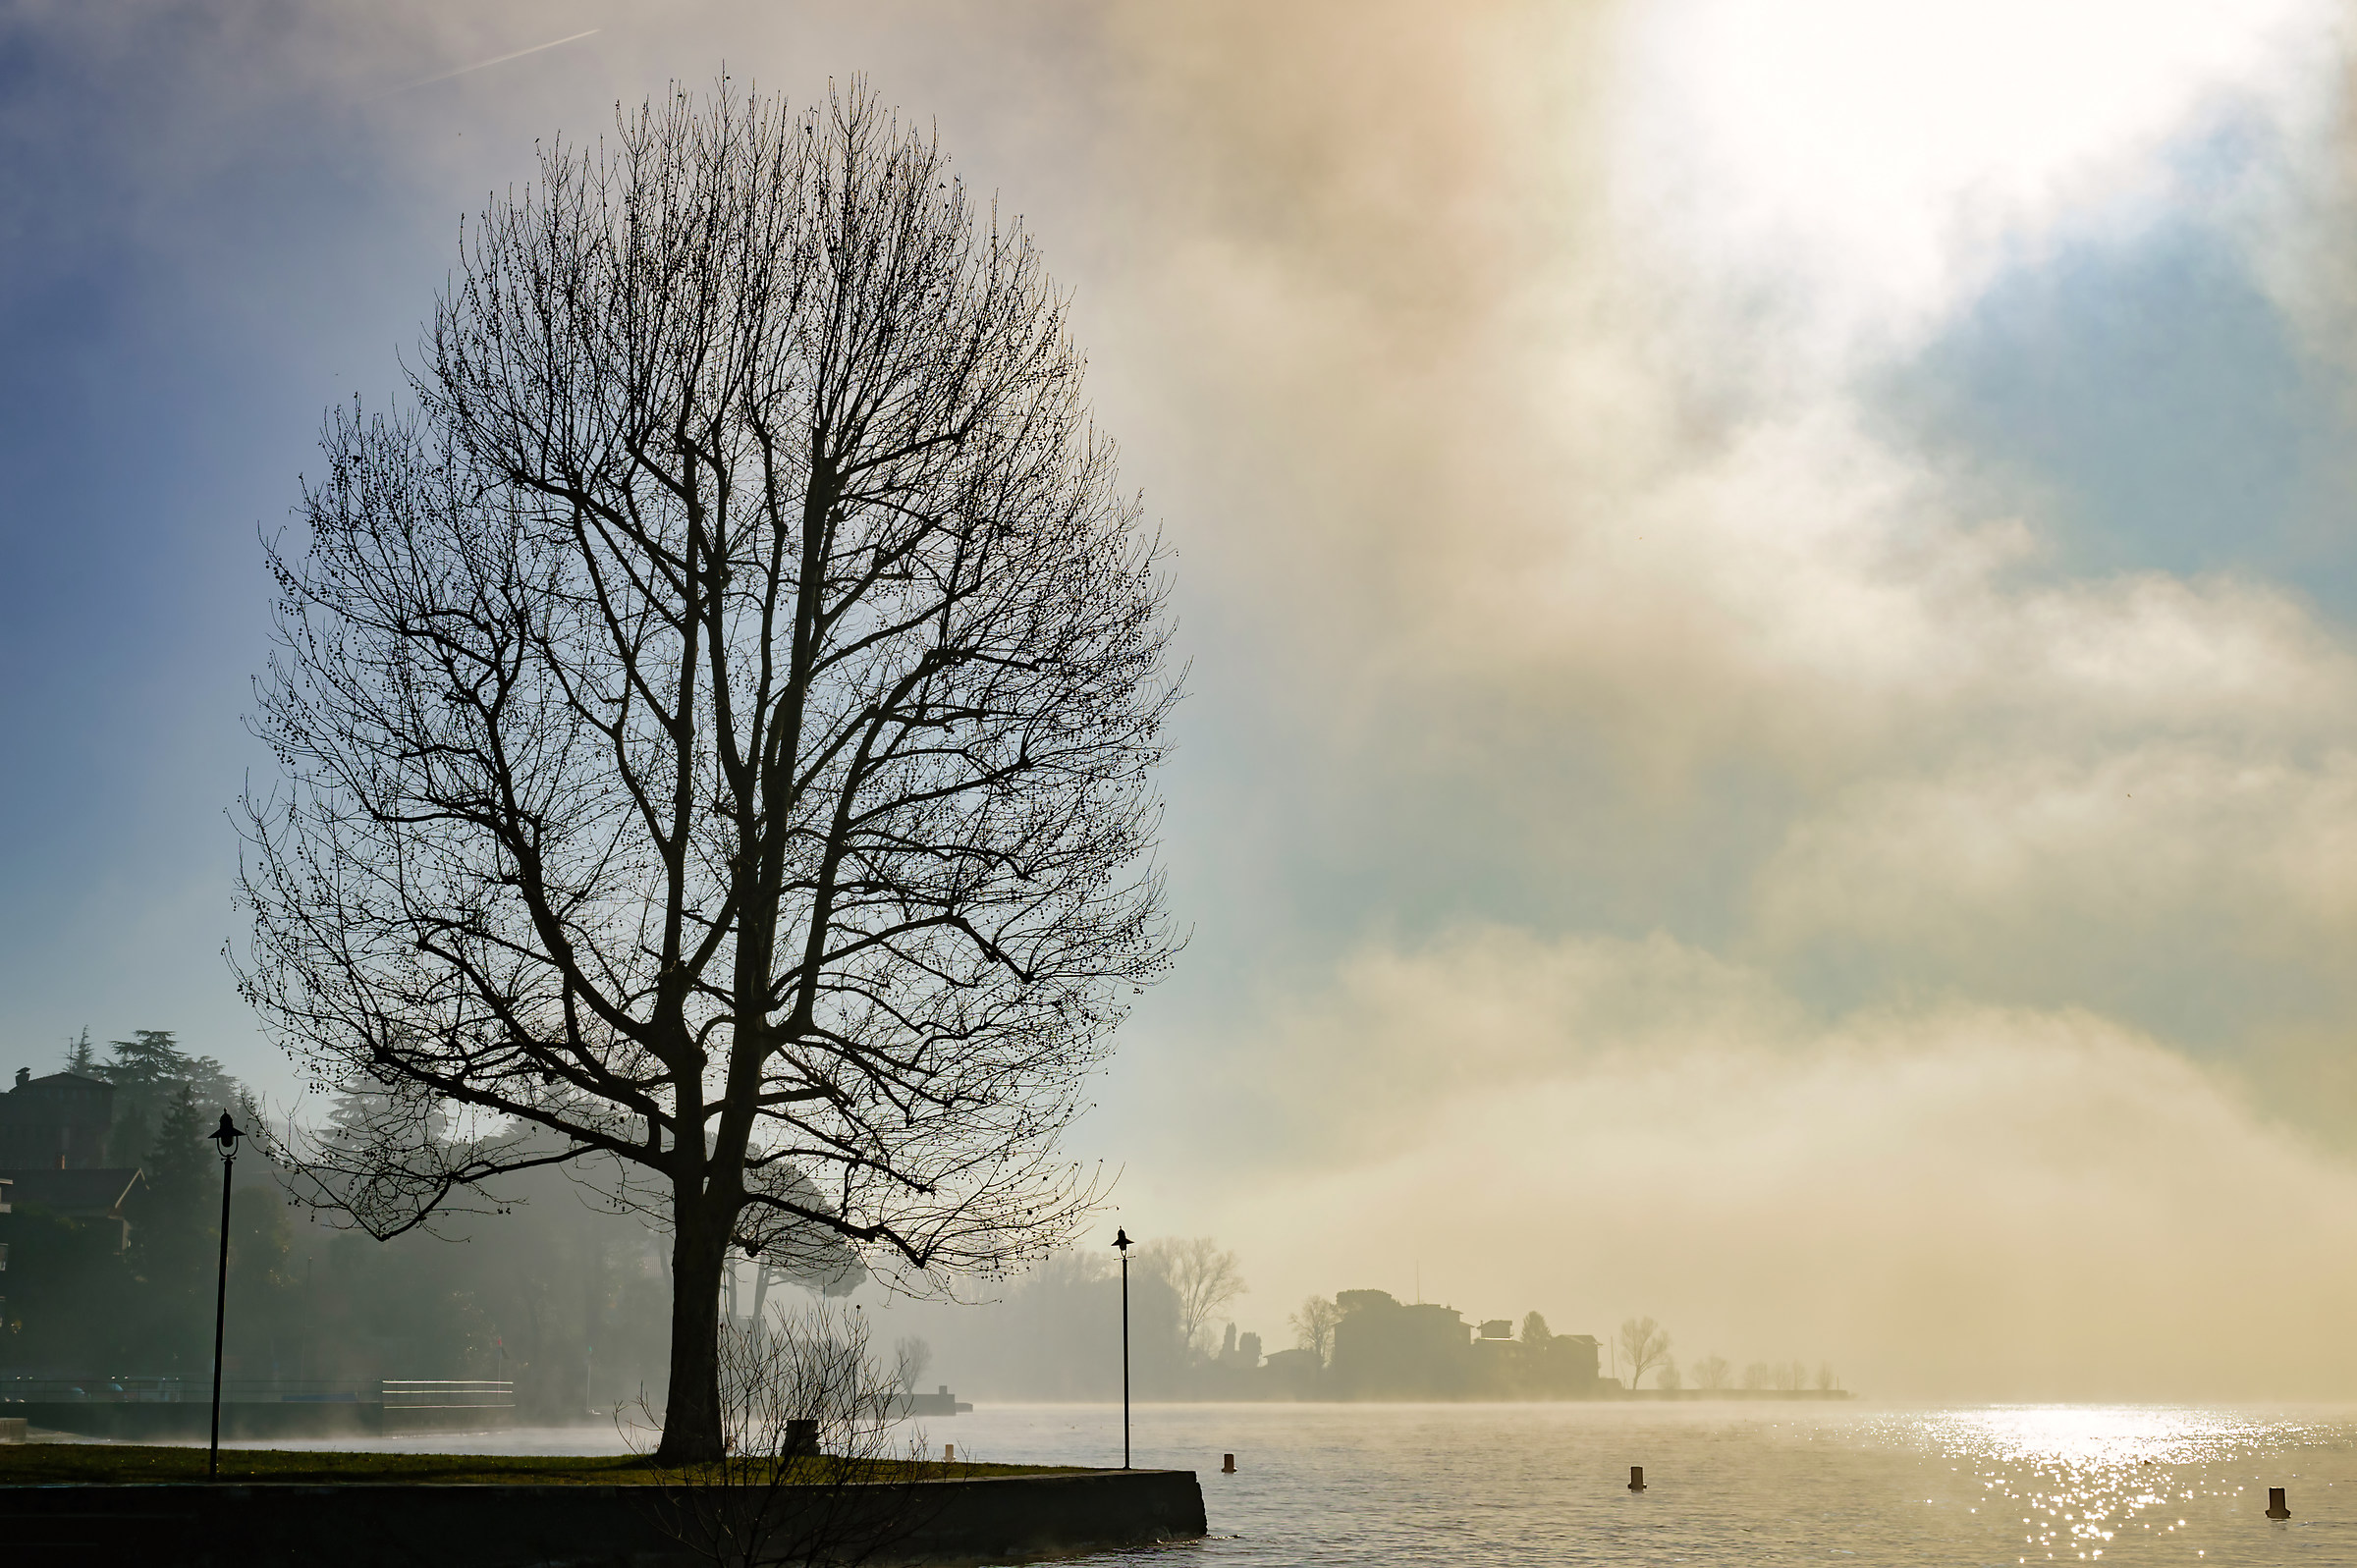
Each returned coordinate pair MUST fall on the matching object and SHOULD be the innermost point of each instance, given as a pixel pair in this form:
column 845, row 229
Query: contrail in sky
column 485, row 65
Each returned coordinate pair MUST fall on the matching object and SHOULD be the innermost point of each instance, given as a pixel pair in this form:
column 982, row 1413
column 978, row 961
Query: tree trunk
column 691, row 1431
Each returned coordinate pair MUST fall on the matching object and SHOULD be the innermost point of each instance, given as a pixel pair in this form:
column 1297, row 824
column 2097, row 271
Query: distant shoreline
column 1620, row 1397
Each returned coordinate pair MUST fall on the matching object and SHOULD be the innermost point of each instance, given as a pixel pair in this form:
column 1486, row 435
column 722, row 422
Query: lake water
column 1748, row 1484
column 1752, row 1484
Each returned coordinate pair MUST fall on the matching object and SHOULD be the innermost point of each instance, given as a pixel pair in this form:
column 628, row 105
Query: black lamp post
column 1121, row 1244
column 226, row 1136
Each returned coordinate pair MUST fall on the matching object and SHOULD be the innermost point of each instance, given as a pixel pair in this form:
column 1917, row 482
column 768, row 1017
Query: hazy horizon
column 1773, row 720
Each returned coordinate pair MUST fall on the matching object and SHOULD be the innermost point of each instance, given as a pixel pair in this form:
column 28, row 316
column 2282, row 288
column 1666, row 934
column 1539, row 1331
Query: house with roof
column 54, row 1150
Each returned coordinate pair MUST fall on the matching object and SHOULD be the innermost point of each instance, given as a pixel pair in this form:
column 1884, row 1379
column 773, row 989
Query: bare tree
column 1204, row 1277
column 1668, row 1376
column 717, row 722
column 1826, row 1380
column 914, row 1356
column 1643, row 1343
column 1314, row 1326
column 1757, row 1374
column 1712, row 1372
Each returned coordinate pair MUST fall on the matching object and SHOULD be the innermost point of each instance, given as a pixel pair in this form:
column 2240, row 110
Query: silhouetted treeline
column 552, row 1293
column 548, row 1295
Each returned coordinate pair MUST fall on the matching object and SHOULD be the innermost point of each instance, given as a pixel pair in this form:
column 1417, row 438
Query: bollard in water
column 2274, row 1504
column 1636, row 1478
column 1226, row 1464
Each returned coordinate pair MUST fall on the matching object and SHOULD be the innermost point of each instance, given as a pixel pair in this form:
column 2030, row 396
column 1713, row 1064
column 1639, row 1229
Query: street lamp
column 1121, row 1244
column 226, row 1136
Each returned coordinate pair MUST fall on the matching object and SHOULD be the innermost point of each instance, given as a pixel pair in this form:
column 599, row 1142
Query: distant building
column 1567, row 1363
column 1384, row 1350
column 53, row 1148
column 1301, row 1365
column 55, row 1123
column 941, row 1402
column 90, row 1196
column 1551, row 1366
column 1498, row 1328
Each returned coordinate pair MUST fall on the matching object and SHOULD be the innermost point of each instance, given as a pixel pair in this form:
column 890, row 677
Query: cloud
column 1994, row 868
column 1948, row 1201
column 1534, row 508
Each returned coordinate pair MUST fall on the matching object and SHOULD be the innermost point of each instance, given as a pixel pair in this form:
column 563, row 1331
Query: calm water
column 1755, row 1484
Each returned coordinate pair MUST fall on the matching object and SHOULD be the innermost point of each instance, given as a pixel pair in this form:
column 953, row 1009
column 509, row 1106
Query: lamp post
column 1121, row 1244
column 226, row 1136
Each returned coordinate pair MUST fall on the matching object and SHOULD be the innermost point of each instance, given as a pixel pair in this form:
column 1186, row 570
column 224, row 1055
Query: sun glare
column 1886, row 155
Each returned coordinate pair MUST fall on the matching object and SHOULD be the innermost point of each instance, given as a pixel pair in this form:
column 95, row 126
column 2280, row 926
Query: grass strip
column 50, row 1464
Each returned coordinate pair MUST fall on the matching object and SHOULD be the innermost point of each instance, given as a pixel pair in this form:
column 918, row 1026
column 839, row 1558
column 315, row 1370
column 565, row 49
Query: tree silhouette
column 1643, row 1344
column 717, row 722
column 1203, row 1276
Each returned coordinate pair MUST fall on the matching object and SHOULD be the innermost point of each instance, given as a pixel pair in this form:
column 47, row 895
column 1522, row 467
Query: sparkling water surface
column 1755, row 1483
column 1751, row 1482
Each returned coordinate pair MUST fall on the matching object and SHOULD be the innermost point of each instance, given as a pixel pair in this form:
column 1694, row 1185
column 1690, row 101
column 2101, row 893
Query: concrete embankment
column 991, row 1519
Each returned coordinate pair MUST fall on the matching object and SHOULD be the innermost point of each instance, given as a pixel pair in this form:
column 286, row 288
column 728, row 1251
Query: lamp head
column 1122, row 1242
column 226, row 1136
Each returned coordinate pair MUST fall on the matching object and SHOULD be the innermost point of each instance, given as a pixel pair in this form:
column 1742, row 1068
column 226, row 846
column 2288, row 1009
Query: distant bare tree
column 717, row 724
column 912, row 1356
column 1712, row 1372
column 1668, row 1376
column 1643, row 1342
column 1314, row 1326
column 1205, row 1278
column 1780, row 1374
column 1826, row 1380
column 1758, row 1375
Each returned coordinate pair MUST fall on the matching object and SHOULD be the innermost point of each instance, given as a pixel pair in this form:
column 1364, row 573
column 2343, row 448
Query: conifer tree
column 174, row 1235
column 149, row 1071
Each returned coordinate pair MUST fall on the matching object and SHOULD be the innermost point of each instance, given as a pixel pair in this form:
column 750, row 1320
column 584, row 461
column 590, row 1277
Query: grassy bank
column 40, row 1464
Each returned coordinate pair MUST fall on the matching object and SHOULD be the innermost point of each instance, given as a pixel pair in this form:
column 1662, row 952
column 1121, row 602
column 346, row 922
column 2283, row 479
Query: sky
column 1769, row 591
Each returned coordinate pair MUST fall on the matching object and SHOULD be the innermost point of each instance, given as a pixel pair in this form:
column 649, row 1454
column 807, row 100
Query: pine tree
column 80, row 1058
column 172, row 1236
column 143, row 1071
column 180, row 1159
column 149, row 1071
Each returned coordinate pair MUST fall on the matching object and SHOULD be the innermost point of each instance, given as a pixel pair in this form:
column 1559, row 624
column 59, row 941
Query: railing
column 390, row 1393
column 419, row 1394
